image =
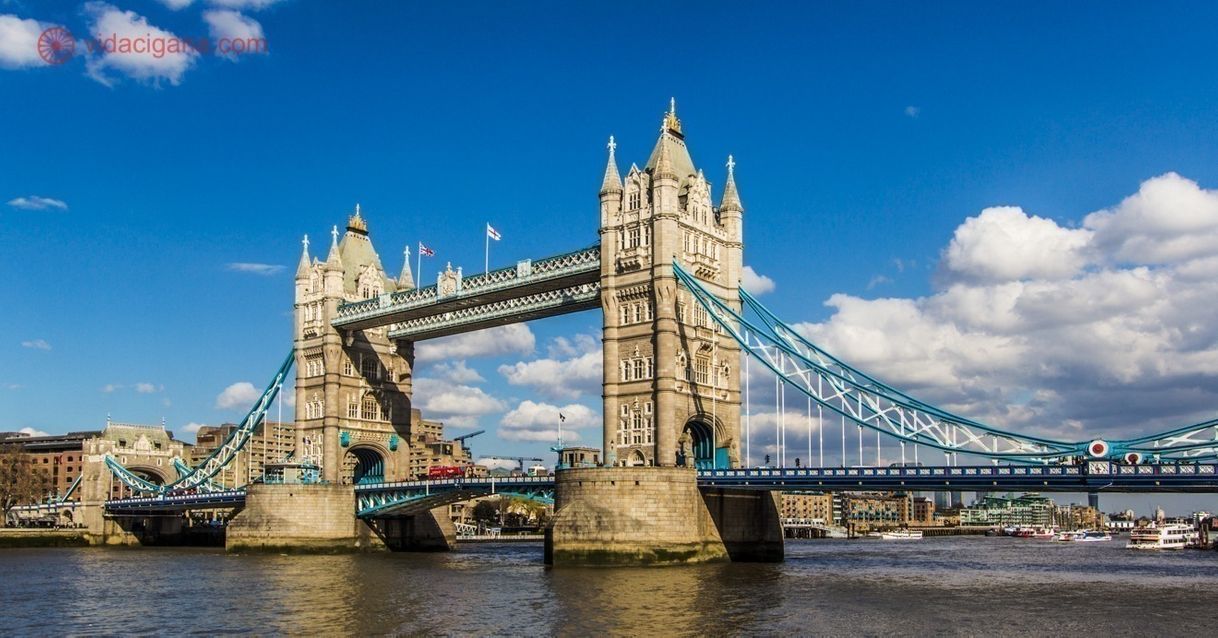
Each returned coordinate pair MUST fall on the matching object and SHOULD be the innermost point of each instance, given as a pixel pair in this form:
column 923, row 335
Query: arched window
column 369, row 410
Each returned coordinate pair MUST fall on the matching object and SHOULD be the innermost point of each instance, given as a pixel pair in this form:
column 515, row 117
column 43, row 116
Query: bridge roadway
column 401, row 498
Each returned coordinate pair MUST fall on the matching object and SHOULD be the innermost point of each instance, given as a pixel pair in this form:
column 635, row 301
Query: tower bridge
column 677, row 331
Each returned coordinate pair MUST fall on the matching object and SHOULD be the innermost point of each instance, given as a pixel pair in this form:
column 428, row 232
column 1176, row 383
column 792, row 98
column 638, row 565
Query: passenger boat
column 1173, row 536
column 1083, row 536
column 902, row 535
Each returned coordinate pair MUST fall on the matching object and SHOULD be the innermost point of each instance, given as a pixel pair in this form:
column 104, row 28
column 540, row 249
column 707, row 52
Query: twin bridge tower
column 671, row 379
column 672, row 400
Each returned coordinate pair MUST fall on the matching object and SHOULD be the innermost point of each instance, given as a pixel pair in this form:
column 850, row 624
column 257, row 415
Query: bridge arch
column 704, row 443
column 363, row 464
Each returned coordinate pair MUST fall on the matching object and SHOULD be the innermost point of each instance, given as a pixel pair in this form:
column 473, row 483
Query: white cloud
column 230, row 30
column 498, row 464
column 111, row 387
column 1006, row 244
column 754, row 283
column 36, row 344
column 1106, row 330
column 19, row 43
column 878, row 280
column 454, row 404
column 169, row 62
column 560, row 378
column 1170, row 219
column 32, row 432
column 579, row 344
column 145, row 388
column 35, row 202
column 238, row 395
column 457, row 372
column 177, row 4
column 531, row 421
column 191, row 428
column 913, row 111
column 244, row 4
column 511, row 339
column 255, row 268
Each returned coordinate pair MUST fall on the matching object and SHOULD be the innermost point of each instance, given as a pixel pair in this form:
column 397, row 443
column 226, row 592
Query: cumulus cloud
column 145, row 388
column 1006, row 244
column 230, row 30
column 912, row 111
column 457, row 372
column 19, row 43
column 191, row 428
column 177, row 4
column 1103, row 330
column 255, row 268
column 108, row 21
column 756, row 284
column 532, row 421
column 35, row 202
column 498, row 341
column 238, row 395
column 244, row 4
column 111, row 387
column 32, row 432
column 492, row 463
column 569, row 378
column 36, row 344
column 455, row 404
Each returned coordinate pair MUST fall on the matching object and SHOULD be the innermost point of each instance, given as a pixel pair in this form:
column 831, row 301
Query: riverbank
column 11, row 538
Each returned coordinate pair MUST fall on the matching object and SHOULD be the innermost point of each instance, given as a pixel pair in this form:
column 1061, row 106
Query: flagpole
column 486, row 262
column 419, row 268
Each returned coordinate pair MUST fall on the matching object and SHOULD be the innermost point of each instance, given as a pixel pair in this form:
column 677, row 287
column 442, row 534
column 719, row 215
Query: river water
column 950, row 585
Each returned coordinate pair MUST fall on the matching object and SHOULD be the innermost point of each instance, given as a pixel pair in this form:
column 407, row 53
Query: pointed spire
column 334, row 260
column 612, row 182
column 406, row 280
column 303, row 269
column 664, row 167
column 731, row 199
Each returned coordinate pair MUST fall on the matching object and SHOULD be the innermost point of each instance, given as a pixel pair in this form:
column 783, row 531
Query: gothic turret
column 731, row 199
column 302, row 269
column 612, row 182
column 406, row 280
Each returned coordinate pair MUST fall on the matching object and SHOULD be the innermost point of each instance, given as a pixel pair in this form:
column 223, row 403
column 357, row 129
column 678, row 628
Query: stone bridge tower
column 671, row 377
column 353, row 387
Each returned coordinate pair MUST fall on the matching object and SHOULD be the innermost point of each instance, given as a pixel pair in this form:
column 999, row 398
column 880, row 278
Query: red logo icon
column 56, row 45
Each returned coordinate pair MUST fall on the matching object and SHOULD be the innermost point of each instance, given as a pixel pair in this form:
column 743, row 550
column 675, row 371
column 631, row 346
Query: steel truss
column 199, row 477
column 869, row 403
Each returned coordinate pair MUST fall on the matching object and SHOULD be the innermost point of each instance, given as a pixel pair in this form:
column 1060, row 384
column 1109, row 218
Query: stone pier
column 299, row 518
column 655, row 516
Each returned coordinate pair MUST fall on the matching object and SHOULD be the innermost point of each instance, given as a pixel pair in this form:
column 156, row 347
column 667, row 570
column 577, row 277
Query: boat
column 1172, row 536
column 902, row 535
column 1083, row 536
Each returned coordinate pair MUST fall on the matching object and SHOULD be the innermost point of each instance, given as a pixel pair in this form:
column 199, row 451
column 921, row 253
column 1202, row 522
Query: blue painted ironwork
column 221, row 456
column 870, row 403
column 369, row 467
column 1091, row 476
column 552, row 273
column 585, row 296
column 176, row 502
column 403, row 498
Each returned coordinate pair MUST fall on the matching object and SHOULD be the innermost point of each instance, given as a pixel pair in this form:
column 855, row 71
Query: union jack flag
column 425, row 251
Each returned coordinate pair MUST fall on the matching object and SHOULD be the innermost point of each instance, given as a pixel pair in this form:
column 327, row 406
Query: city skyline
column 884, row 219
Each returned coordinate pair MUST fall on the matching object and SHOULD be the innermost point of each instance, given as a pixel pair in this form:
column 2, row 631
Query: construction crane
column 461, row 439
column 518, row 459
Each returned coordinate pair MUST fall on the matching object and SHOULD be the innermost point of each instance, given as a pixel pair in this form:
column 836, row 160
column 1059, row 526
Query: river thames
column 953, row 585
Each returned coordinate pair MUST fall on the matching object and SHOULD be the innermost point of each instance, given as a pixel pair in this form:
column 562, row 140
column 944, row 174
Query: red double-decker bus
column 443, row 472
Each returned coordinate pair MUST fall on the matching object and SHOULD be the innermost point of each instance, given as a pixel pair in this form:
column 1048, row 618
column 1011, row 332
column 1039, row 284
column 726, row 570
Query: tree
column 486, row 512
column 20, row 483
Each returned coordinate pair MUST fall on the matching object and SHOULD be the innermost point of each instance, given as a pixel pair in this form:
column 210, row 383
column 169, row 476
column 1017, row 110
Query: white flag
column 492, row 233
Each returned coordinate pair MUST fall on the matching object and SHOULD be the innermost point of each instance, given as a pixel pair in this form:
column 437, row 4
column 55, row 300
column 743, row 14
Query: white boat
column 1171, row 536
column 1083, row 536
column 902, row 535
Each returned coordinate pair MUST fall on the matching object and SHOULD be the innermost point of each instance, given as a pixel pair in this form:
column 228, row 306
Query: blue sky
column 866, row 136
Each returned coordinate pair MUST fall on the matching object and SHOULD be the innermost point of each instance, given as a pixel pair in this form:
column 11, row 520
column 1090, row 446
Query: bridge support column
column 299, row 518
column 431, row 531
column 749, row 522
column 656, row 516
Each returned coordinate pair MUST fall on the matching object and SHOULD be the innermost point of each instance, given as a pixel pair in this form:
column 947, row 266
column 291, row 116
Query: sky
column 1009, row 210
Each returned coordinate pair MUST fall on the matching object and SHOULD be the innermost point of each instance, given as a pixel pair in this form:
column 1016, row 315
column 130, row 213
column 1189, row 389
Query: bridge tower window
column 370, row 410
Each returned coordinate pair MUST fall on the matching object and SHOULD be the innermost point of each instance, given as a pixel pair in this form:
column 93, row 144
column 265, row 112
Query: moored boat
column 902, row 535
column 1172, row 536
